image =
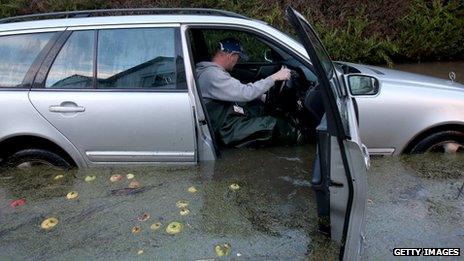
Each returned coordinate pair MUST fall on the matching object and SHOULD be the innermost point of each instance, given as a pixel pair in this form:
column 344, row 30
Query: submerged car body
column 406, row 109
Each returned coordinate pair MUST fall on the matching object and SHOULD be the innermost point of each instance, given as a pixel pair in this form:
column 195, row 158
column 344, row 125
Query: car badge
column 452, row 76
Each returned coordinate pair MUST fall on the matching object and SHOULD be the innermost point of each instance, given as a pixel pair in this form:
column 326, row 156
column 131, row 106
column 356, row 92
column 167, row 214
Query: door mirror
column 363, row 84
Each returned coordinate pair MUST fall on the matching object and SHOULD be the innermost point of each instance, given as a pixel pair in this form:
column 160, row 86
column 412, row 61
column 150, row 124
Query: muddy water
column 436, row 69
column 412, row 201
column 271, row 215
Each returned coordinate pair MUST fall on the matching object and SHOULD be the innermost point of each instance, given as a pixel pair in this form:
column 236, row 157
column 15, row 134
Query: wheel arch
column 14, row 144
column 427, row 132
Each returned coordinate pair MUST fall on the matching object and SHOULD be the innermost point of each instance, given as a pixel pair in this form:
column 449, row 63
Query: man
column 236, row 117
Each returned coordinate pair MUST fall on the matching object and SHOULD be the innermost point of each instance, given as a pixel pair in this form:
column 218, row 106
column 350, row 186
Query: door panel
column 339, row 191
column 123, row 126
column 333, row 194
column 356, row 228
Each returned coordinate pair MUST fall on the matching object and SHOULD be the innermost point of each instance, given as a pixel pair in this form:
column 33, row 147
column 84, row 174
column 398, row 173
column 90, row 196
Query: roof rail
column 115, row 12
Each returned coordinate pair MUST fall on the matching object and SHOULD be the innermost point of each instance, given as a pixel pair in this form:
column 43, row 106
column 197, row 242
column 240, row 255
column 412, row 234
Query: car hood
column 406, row 78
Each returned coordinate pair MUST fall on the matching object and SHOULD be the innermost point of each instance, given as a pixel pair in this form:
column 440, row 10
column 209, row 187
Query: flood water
column 436, row 69
column 271, row 215
column 412, row 201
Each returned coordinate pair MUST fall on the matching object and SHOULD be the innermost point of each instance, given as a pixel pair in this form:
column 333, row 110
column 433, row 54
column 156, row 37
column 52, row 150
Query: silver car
column 403, row 112
column 104, row 88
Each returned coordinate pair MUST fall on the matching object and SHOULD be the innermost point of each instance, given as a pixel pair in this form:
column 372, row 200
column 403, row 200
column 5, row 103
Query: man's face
column 232, row 59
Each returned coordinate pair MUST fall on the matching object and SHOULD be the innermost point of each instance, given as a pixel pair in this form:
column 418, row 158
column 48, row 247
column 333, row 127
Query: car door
column 339, row 174
column 118, row 94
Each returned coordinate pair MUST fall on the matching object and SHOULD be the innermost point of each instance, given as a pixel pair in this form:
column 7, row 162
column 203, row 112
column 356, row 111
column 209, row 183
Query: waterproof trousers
column 252, row 128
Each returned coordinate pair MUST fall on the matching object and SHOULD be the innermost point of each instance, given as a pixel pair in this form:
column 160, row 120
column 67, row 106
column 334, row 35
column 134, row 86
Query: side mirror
column 268, row 56
column 363, row 84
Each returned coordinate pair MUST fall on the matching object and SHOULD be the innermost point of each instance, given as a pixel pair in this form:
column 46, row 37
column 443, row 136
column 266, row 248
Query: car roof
column 115, row 17
column 119, row 20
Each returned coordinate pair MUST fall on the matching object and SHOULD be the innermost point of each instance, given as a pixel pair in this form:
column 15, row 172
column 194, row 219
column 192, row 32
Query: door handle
column 62, row 109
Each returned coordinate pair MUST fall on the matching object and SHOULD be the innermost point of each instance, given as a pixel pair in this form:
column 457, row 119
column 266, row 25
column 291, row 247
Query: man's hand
column 281, row 75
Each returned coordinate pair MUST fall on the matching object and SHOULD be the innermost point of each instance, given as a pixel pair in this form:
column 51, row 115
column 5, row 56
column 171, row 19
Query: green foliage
column 353, row 43
column 10, row 7
column 432, row 31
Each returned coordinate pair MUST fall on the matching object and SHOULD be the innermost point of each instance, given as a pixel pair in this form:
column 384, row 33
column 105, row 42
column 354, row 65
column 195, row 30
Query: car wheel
column 444, row 142
column 28, row 158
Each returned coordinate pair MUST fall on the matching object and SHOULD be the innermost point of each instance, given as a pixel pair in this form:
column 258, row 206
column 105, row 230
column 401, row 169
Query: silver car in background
column 402, row 112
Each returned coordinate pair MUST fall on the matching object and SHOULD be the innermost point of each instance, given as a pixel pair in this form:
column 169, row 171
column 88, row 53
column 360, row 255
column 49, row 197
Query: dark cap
column 232, row 45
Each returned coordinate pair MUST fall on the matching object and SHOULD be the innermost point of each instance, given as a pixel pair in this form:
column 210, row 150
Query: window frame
column 42, row 74
column 256, row 32
column 52, row 57
column 32, row 70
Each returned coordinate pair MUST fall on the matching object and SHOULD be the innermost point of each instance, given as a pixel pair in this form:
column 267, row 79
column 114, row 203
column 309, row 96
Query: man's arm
column 227, row 88
column 224, row 87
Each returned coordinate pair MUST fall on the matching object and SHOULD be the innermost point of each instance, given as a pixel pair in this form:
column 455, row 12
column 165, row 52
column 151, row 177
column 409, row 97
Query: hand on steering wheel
column 282, row 75
column 280, row 78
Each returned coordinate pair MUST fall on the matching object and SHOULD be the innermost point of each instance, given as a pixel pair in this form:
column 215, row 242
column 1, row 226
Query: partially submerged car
column 402, row 112
column 107, row 87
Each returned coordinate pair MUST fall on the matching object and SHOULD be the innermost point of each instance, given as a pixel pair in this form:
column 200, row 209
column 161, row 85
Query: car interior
column 298, row 98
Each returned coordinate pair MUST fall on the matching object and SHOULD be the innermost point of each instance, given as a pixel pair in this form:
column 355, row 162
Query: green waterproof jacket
column 250, row 128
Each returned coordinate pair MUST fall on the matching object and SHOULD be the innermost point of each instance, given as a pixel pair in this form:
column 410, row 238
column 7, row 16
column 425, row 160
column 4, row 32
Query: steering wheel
column 273, row 102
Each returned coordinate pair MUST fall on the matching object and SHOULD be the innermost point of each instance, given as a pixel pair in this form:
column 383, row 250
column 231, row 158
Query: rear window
column 17, row 53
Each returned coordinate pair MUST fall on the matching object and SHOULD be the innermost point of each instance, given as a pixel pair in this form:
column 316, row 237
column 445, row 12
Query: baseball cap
column 232, row 45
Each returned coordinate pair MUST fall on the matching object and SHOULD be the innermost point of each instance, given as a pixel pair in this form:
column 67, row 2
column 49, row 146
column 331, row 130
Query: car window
column 17, row 53
column 73, row 67
column 253, row 47
column 136, row 58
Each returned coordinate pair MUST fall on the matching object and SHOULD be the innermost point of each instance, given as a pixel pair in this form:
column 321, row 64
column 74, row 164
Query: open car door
column 339, row 174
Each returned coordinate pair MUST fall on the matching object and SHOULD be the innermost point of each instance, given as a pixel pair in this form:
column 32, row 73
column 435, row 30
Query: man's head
column 228, row 53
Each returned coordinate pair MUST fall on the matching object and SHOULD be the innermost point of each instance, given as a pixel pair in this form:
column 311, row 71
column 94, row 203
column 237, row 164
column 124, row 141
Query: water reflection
column 414, row 201
column 436, row 165
column 271, row 215
column 436, row 69
column 37, row 183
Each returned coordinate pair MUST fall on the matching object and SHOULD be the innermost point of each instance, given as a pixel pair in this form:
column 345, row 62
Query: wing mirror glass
column 363, row 85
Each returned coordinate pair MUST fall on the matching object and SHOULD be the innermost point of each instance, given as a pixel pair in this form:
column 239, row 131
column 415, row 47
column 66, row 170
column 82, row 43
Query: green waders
column 250, row 128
